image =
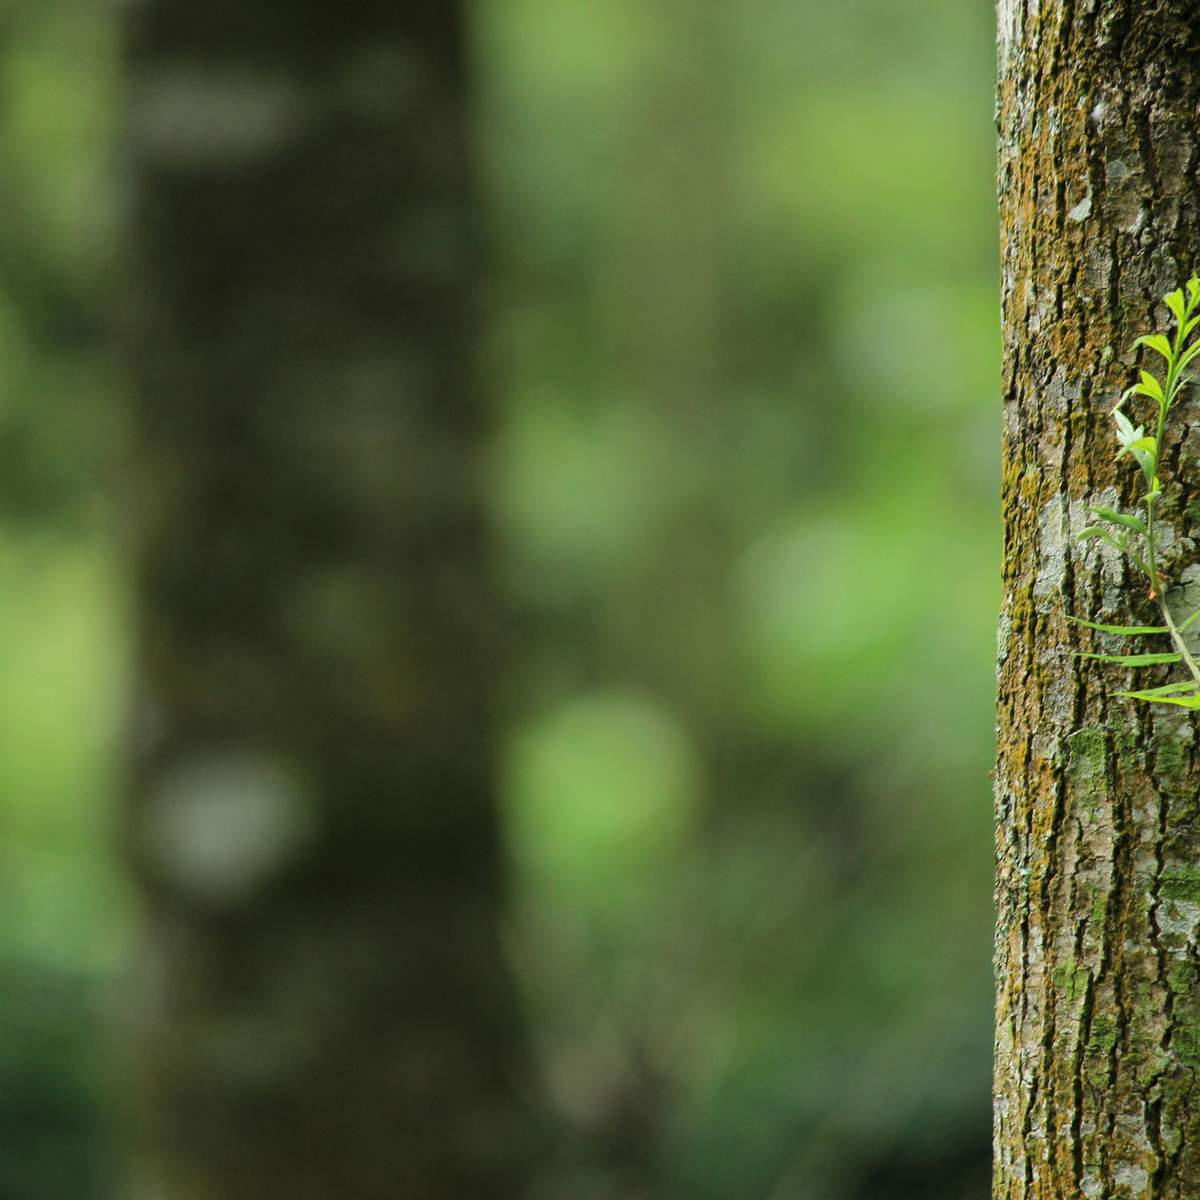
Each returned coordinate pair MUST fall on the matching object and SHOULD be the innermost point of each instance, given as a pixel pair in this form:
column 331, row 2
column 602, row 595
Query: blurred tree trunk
column 322, row 1009
column 1098, row 889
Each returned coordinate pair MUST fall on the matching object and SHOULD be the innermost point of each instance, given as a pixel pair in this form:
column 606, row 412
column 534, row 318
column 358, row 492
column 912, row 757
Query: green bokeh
column 743, row 346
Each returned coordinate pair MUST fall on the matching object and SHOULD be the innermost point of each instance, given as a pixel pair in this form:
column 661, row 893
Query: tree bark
column 1098, row 843
column 321, row 1009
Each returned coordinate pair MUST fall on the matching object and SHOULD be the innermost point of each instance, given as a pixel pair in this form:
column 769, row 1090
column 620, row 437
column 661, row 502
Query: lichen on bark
column 1098, row 831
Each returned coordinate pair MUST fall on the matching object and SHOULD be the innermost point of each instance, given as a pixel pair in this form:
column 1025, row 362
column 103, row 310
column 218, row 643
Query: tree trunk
column 1098, row 843
column 322, row 1009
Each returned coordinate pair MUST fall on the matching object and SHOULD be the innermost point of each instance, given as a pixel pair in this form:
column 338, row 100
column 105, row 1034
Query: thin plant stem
column 1183, row 304
column 1177, row 638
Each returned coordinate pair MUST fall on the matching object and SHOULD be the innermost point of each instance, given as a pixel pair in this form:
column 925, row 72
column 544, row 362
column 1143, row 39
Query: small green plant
column 1138, row 537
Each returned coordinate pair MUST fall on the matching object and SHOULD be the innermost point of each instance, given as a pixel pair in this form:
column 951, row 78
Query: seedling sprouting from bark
column 1135, row 536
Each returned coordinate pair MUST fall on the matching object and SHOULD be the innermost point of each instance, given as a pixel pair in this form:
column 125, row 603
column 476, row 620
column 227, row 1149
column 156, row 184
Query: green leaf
column 1167, row 689
column 1123, row 630
column 1145, row 453
column 1193, row 291
column 1189, row 620
column 1137, row 389
column 1190, row 353
column 1119, row 518
column 1134, row 660
column 1192, row 701
column 1156, row 342
column 1151, row 387
column 1094, row 532
column 1125, row 430
column 1174, row 301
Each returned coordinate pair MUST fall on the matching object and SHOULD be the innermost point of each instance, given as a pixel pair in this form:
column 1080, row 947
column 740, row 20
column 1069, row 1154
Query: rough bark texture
column 321, row 1009
column 1098, row 888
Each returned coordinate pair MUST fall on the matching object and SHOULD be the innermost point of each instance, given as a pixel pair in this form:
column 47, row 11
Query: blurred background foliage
column 743, row 346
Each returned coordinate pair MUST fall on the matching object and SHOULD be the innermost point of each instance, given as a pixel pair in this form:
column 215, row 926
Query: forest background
column 743, row 344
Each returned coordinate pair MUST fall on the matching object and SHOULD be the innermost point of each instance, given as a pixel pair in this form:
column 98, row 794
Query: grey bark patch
column 1133, row 1177
column 1003, row 636
column 216, row 119
column 222, row 826
column 1060, row 522
column 1184, row 600
column 1006, row 21
column 1053, row 548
